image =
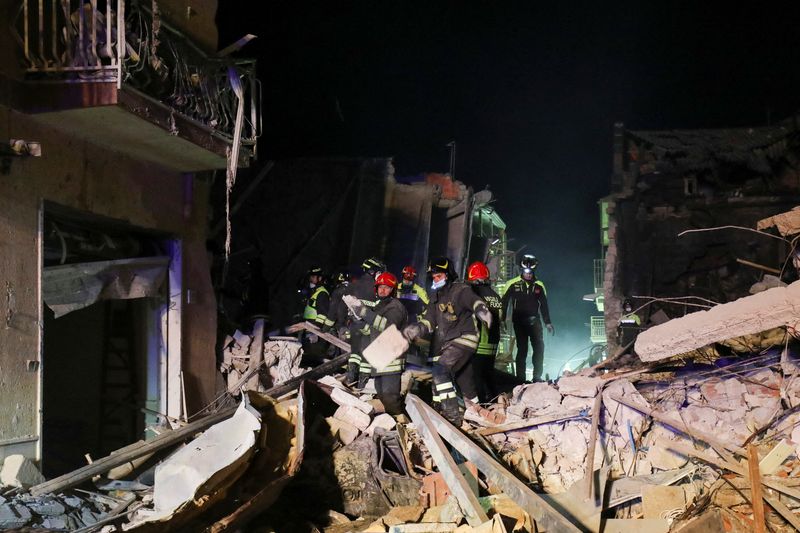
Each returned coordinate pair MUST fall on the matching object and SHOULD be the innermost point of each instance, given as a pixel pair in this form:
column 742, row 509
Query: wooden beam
column 755, row 488
column 546, row 516
column 257, row 357
column 308, row 326
column 598, row 404
column 531, row 422
column 129, row 453
column 455, row 480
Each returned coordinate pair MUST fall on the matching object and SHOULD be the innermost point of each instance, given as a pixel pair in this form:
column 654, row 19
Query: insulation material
column 67, row 288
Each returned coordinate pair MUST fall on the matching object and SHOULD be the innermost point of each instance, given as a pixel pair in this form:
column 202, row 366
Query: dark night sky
column 529, row 92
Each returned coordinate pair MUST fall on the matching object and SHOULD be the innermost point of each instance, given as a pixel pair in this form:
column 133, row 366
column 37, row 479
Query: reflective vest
column 311, row 313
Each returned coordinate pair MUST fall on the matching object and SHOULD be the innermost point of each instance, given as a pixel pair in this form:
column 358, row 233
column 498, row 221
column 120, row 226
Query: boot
column 352, row 374
column 452, row 411
column 362, row 380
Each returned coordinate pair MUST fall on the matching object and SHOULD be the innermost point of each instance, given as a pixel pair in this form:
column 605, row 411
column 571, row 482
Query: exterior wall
column 77, row 174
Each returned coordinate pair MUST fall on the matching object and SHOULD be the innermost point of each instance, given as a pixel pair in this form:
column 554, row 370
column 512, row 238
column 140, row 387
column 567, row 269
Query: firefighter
column 316, row 310
column 340, row 282
column 413, row 297
column 478, row 277
column 528, row 299
column 451, row 319
column 368, row 324
column 364, row 289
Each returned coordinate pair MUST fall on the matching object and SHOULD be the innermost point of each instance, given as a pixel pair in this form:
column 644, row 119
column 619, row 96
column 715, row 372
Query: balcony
column 597, row 329
column 148, row 91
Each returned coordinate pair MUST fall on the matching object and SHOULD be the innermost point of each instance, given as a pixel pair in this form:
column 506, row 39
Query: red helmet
column 478, row 271
column 386, row 278
column 409, row 273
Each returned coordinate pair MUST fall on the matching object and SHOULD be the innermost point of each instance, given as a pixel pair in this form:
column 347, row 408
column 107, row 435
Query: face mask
column 312, row 285
column 436, row 285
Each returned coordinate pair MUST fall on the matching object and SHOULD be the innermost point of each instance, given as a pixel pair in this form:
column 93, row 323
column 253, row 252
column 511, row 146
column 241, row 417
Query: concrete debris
column 19, row 472
column 281, row 361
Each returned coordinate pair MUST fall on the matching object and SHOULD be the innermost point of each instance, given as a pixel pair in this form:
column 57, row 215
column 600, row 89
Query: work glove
column 412, row 331
column 550, row 329
column 355, row 305
column 484, row 315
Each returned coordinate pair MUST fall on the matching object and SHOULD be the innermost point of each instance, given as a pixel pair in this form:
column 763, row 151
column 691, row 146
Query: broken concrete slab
column 386, row 347
column 578, row 385
column 752, row 314
column 345, row 431
column 659, row 501
column 344, row 398
column 353, row 416
column 384, row 421
column 19, row 471
column 788, row 223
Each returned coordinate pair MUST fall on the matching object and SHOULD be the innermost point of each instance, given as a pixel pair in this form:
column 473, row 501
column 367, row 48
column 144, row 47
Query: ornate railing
column 78, row 41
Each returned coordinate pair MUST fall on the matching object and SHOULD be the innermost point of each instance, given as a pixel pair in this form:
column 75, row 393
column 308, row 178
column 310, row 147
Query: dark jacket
column 414, row 299
column 489, row 337
column 387, row 312
column 450, row 317
column 528, row 301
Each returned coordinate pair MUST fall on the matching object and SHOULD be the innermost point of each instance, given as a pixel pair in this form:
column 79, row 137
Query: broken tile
column 578, row 385
column 384, row 421
column 344, row 398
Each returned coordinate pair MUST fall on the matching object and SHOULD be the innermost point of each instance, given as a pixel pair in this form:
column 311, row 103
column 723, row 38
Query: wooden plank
column 531, row 422
column 546, row 516
column 775, row 458
column 755, row 489
column 129, row 453
column 679, row 425
column 598, row 404
column 455, row 480
column 308, row 326
column 256, row 355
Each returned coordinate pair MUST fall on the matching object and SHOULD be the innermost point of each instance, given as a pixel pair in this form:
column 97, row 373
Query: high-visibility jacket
column 317, row 306
column 528, row 300
column 414, row 299
column 630, row 319
column 387, row 312
column 489, row 337
column 450, row 316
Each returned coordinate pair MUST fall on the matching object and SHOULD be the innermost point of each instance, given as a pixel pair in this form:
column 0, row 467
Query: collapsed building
column 113, row 117
column 107, row 173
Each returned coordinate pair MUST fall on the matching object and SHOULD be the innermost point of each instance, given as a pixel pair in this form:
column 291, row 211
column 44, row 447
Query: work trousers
column 387, row 387
column 484, row 377
column 525, row 332
column 453, row 368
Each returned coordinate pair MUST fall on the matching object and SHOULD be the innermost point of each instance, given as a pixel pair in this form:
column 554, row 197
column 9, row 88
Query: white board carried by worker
column 386, row 347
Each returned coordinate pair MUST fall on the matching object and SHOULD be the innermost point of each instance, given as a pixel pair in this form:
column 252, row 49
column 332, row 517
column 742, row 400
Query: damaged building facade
column 112, row 118
column 666, row 185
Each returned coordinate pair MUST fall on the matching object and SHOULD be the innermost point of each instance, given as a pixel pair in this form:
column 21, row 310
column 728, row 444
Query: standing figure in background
column 528, row 299
column 451, row 319
column 358, row 369
column 368, row 324
column 630, row 324
column 316, row 310
column 478, row 278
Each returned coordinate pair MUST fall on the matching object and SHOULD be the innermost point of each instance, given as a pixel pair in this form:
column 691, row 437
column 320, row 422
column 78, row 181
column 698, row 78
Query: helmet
column 627, row 305
column 440, row 264
column 478, row 271
column 315, row 271
column 528, row 262
column 409, row 273
column 373, row 265
column 388, row 279
column 341, row 276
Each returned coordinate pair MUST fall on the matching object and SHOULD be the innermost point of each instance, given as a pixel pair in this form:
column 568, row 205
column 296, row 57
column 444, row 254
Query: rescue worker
column 413, row 297
column 478, row 278
column 629, row 324
column 369, row 323
column 528, row 299
column 451, row 319
column 364, row 289
column 316, row 311
column 340, row 282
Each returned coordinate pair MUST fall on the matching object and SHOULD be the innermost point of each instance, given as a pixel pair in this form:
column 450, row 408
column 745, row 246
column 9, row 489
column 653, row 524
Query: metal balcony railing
column 599, row 274
column 597, row 329
column 76, row 41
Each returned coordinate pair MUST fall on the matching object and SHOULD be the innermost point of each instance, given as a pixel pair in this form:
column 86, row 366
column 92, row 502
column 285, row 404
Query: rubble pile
column 281, row 360
column 61, row 512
